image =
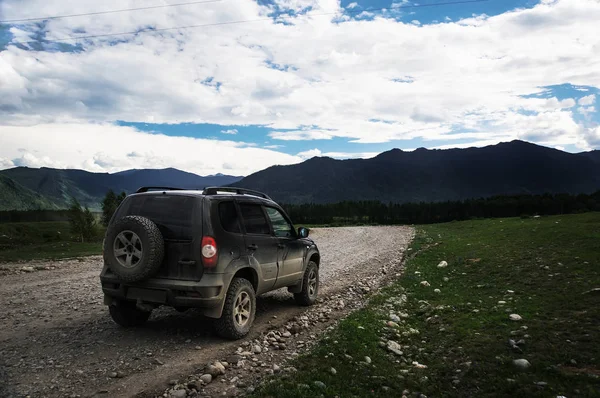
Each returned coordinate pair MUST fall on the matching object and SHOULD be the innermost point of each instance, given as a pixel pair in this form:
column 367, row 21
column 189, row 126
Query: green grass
column 463, row 332
column 43, row 240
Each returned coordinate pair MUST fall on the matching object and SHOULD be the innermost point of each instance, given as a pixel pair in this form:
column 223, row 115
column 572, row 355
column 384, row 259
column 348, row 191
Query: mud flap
column 108, row 300
column 296, row 288
column 214, row 312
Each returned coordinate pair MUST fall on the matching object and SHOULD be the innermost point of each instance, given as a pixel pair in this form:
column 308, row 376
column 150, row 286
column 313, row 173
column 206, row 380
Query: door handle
column 281, row 246
column 186, row 262
column 252, row 247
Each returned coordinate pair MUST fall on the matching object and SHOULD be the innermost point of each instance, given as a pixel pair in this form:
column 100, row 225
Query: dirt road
column 57, row 340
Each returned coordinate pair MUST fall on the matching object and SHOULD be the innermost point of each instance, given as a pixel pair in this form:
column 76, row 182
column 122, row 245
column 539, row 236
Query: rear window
column 174, row 214
column 254, row 219
column 229, row 217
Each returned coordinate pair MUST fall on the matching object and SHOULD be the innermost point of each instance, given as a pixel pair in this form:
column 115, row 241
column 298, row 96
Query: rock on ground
column 521, row 363
column 206, row 379
column 394, row 347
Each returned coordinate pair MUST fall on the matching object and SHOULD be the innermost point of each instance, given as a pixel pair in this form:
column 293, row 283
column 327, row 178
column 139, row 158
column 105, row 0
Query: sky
column 235, row 86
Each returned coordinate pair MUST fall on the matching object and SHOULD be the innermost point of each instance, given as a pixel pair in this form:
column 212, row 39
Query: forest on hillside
column 374, row 212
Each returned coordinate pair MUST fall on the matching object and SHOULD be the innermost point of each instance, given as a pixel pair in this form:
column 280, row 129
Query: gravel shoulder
column 57, row 340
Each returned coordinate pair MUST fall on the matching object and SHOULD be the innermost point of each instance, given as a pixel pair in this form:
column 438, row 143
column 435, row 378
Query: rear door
column 292, row 249
column 260, row 243
column 178, row 218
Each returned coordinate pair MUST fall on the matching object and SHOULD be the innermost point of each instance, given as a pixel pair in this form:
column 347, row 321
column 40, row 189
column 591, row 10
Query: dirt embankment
column 57, row 340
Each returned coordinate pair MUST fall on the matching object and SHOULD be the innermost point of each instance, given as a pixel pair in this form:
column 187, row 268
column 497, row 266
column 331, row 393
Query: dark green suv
column 215, row 249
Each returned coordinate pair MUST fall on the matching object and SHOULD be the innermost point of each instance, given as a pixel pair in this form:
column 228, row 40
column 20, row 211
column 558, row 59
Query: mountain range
column 24, row 188
column 422, row 175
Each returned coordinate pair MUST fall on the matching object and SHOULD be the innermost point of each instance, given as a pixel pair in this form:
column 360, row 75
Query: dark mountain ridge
column 423, row 175
column 58, row 185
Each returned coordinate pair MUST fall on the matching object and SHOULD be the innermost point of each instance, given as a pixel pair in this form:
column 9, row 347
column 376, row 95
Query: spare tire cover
column 133, row 248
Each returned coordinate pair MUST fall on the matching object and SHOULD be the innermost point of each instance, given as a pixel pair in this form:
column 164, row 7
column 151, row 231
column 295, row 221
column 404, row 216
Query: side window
column 254, row 219
column 229, row 217
column 282, row 228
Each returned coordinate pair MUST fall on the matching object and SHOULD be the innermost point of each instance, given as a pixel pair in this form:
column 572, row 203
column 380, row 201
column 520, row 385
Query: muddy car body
column 215, row 250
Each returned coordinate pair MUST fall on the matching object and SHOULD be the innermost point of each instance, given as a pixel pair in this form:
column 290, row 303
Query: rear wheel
column 310, row 285
column 238, row 311
column 126, row 314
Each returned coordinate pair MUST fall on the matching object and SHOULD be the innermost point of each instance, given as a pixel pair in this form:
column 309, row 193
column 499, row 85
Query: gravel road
column 57, row 339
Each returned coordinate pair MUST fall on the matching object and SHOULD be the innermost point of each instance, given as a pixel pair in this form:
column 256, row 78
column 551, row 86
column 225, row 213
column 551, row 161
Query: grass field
column 538, row 268
column 42, row 240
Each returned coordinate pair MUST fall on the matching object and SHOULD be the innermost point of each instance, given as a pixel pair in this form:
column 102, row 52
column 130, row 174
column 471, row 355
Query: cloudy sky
column 234, row 86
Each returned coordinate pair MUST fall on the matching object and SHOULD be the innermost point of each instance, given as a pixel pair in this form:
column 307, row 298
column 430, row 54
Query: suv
column 215, row 249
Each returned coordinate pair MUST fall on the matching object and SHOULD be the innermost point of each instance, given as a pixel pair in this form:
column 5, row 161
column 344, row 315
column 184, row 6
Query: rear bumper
column 209, row 292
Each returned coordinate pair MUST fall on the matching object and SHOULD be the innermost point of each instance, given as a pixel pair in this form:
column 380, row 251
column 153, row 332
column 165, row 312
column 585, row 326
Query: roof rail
column 239, row 191
column 146, row 189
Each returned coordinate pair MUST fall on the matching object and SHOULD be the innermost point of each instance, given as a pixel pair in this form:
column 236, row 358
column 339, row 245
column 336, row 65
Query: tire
column 133, row 248
column 232, row 324
column 126, row 314
column 310, row 285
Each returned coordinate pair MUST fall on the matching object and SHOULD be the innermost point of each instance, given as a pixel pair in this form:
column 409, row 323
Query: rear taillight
column 209, row 251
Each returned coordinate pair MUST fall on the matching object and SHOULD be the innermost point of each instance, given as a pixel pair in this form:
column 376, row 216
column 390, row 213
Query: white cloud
column 586, row 111
column 6, row 164
column 335, row 77
column 593, row 137
column 350, row 155
column 310, row 153
column 301, row 135
column 230, row 131
column 336, row 155
column 352, row 5
column 400, row 4
column 546, row 104
column 587, row 100
column 110, row 148
column 28, row 159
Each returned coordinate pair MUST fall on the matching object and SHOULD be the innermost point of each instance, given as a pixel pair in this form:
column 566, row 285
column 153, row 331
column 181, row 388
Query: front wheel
column 310, row 285
column 238, row 311
column 126, row 314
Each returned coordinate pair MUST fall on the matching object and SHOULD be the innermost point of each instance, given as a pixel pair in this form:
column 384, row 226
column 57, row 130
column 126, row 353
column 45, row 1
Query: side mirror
column 303, row 232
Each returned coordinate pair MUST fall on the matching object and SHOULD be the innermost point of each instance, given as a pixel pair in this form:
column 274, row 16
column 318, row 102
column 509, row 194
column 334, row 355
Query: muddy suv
column 215, row 249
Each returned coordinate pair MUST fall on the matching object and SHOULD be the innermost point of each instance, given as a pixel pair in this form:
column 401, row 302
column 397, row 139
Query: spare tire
column 133, row 248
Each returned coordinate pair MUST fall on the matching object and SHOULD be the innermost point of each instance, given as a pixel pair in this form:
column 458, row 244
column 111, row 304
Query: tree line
column 375, row 212
column 84, row 224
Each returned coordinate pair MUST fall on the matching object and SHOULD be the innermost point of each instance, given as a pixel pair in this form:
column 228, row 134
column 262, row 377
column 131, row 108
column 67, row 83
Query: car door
column 291, row 248
column 261, row 245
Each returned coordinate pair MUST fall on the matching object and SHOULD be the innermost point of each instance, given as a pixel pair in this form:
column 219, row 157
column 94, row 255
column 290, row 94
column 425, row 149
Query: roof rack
column 146, row 189
column 239, row 191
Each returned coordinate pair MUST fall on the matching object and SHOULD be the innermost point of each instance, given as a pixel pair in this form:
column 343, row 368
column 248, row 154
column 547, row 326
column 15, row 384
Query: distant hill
column 133, row 179
column 14, row 196
column 56, row 186
column 432, row 175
